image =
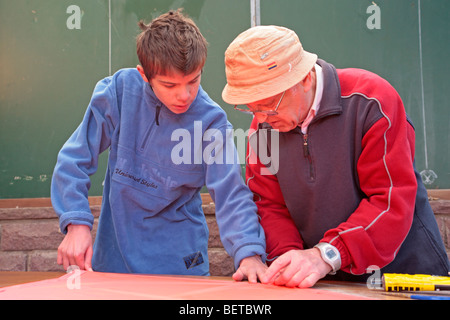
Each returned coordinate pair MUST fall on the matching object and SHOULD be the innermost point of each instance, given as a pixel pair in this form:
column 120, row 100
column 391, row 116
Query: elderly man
column 340, row 195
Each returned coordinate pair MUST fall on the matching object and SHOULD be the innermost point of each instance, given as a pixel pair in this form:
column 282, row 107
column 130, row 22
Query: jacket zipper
column 307, row 155
column 158, row 110
column 306, row 151
column 150, row 129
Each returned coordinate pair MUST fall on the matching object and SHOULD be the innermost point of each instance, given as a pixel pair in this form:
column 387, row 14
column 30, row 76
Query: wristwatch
column 330, row 255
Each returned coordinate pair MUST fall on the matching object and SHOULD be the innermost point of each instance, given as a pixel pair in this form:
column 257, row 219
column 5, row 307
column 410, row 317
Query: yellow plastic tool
column 416, row 282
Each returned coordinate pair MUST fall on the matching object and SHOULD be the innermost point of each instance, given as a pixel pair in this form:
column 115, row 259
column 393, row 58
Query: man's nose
column 261, row 117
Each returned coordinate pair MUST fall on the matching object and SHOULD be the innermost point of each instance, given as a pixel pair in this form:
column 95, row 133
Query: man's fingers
column 275, row 270
column 310, row 280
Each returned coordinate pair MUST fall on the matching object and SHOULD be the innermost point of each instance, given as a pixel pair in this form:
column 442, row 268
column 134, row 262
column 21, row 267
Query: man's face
column 292, row 110
column 176, row 90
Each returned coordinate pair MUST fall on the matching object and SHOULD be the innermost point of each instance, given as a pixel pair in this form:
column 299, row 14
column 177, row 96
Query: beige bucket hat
column 262, row 62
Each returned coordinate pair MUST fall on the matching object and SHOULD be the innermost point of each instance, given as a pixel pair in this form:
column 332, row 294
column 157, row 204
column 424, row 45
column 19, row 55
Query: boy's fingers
column 88, row 260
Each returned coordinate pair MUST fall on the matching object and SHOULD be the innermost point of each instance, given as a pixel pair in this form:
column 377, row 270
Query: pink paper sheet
column 82, row 285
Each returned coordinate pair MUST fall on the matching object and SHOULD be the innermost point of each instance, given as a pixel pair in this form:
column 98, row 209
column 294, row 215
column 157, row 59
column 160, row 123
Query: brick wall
column 29, row 235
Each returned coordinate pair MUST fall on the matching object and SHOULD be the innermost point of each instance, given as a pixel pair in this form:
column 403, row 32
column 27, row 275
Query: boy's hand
column 250, row 268
column 76, row 248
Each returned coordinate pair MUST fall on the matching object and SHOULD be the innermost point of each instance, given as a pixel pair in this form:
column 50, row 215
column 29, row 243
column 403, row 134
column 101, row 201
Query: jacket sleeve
column 281, row 233
column 236, row 214
column 78, row 159
column 374, row 232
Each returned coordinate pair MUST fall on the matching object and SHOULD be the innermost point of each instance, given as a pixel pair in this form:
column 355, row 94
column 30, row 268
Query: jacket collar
column 331, row 99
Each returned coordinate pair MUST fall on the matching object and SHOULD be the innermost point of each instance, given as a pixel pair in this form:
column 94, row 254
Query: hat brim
column 236, row 95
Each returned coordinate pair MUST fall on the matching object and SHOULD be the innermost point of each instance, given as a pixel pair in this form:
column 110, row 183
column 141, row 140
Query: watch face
column 330, row 254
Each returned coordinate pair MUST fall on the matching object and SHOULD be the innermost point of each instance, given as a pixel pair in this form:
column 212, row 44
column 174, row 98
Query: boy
column 151, row 219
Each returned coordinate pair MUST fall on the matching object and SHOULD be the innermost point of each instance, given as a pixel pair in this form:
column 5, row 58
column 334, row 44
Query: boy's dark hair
column 171, row 42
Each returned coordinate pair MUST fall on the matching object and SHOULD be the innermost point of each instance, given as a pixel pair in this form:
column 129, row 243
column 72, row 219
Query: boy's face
column 176, row 90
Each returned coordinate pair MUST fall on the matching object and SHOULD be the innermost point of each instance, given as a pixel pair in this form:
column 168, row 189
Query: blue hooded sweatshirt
column 151, row 219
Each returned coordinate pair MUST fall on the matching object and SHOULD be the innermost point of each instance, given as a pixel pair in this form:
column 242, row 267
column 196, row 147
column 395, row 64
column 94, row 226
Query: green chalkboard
column 47, row 74
column 388, row 38
column 52, row 52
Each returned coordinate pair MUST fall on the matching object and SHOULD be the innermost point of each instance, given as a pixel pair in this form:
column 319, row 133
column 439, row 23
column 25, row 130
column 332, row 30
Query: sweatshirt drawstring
column 158, row 110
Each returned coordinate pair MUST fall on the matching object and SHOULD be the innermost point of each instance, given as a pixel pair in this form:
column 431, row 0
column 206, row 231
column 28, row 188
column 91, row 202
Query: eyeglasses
column 266, row 112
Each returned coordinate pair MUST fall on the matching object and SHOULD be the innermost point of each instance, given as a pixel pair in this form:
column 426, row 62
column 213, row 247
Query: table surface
column 10, row 278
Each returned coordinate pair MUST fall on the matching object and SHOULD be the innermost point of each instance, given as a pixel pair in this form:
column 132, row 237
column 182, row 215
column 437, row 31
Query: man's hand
column 250, row 268
column 297, row 268
column 76, row 248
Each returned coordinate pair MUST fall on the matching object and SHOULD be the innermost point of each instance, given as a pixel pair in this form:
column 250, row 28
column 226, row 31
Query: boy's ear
column 142, row 73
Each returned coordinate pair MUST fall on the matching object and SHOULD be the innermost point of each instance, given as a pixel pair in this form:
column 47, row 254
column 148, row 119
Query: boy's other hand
column 76, row 248
column 250, row 268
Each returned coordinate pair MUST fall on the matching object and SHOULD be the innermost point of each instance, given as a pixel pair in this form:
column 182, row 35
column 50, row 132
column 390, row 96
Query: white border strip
column 109, row 39
column 421, row 84
column 255, row 13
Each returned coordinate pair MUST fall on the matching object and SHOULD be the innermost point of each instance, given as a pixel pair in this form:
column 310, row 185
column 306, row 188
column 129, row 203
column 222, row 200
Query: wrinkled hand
column 250, row 268
column 76, row 248
column 297, row 268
